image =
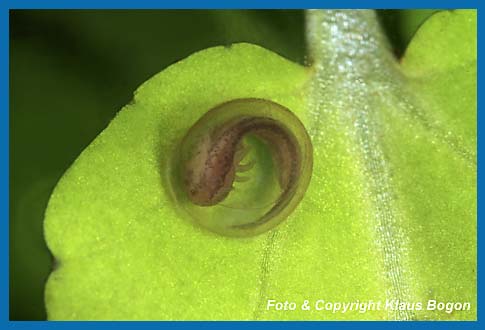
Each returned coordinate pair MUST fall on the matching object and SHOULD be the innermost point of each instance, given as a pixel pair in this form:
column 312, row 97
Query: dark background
column 71, row 71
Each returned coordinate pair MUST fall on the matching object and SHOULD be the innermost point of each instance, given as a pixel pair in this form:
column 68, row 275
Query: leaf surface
column 390, row 212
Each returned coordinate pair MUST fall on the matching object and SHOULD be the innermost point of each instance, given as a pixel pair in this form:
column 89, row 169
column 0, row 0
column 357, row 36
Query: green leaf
column 439, row 152
column 390, row 212
column 79, row 77
column 402, row 24
column 125, row 207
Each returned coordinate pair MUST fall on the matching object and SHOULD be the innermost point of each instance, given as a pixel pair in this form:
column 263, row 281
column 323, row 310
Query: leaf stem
column 348, row 40
column 354, row 70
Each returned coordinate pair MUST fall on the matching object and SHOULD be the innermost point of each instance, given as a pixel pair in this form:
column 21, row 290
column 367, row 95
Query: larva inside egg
column 243, row 167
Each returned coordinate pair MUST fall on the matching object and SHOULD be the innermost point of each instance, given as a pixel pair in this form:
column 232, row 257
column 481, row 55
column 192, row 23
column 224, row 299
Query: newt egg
column 243, row 167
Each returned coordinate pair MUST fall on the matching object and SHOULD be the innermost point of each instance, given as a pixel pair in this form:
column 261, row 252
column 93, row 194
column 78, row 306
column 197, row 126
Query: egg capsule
column 243, row 167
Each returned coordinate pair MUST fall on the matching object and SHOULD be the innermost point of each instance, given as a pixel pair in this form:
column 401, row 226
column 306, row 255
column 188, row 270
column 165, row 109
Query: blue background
column 5, row 6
